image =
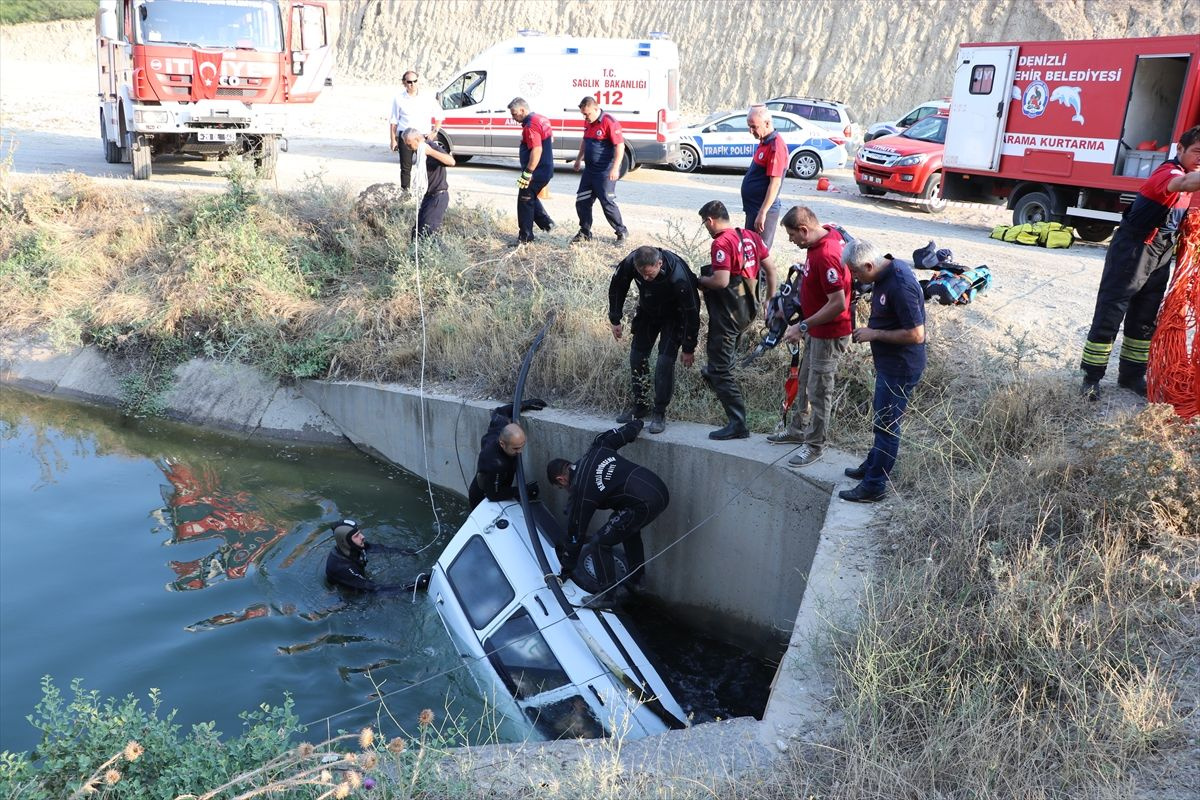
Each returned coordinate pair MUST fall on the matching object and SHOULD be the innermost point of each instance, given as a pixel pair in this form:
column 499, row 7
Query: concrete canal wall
column 732, row 551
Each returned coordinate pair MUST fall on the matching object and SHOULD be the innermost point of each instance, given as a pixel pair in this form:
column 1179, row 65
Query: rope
column 1173, row 373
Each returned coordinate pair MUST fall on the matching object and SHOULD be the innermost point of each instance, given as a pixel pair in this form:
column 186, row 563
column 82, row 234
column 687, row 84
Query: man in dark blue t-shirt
column 896, row 331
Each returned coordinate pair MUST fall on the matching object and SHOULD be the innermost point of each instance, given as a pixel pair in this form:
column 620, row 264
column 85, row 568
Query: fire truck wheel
column 1090, row 230
column 934, row 202
column 806, row 165
column 266, row 157
column 1033, row 207
column 112, row 150
column 139, row 157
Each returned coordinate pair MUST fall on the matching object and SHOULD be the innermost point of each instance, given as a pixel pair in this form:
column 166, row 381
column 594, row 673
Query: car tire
column 805, row 165
column 626, row 163
column 1091, row 230
column 688, row 159
column 870, row 191
column 1033, row 207
column 933, row 202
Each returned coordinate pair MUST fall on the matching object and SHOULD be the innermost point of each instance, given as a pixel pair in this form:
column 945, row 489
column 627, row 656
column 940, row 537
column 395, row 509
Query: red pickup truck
column 909, row 163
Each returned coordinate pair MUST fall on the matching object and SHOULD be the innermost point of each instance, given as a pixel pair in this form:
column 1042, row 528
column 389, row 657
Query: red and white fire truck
column 1068, row 131
column 205, row 78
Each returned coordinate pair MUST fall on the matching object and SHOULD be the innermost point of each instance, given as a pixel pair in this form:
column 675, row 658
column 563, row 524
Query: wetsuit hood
column 342, row 532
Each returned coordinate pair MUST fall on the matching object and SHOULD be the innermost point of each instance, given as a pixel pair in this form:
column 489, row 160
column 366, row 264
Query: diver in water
column 346, row 565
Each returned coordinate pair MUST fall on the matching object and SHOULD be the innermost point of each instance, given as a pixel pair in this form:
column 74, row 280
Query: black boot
column 636, row 411
column 736, row 429
column 1132, row 377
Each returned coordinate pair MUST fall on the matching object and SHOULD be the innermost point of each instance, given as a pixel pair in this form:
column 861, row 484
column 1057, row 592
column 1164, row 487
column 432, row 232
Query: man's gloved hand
column 533, row 404
column 568, row 557
column 638, row 424
column 532, row 491
column 706, row 271
column 524, row 179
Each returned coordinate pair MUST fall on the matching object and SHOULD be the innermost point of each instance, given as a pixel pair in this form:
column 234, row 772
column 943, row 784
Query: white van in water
column 634, row 80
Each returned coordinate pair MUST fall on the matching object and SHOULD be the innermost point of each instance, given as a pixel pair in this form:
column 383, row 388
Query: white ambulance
column 634, row 80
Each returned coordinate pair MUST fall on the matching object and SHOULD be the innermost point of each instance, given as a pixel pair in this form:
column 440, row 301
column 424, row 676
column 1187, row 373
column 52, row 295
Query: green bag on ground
column 1054, row 234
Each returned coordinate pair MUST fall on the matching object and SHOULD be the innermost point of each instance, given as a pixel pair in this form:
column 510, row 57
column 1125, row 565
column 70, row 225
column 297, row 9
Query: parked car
column 908, row 163
column 832, row 115
column 915, row 115
column 725, row 141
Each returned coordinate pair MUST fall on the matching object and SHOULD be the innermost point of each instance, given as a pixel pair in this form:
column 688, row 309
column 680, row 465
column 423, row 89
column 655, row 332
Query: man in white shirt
column 411, row 109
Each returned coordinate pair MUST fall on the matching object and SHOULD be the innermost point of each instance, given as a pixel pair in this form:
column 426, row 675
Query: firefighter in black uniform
column 1136, row 269
column 602, row 479
column 499, row 450
column 346, row 565
column 668, row 310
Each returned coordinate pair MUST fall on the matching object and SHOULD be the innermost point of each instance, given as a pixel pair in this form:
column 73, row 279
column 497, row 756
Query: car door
column 727, row 143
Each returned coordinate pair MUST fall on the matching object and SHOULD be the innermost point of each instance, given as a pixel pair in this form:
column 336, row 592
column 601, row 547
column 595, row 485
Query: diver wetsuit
column 347, row 563
column 495, row 469
column 604, row 479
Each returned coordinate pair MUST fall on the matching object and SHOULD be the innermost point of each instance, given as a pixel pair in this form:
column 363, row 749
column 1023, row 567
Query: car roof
column 800, row 121
column 805, row 99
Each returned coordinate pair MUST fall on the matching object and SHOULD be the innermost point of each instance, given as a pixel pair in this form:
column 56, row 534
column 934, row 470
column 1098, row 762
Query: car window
column 523, row 659
column 566, row 719
column 730, row 125
column 930, row 129
column 783, row 124
column 823, row 114
column 479, row 583
column 466, row 90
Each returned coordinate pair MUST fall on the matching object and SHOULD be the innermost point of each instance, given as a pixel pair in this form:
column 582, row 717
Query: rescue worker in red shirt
column 764, row 179
column 600, row 155
column 824, row 328
column 739, row 261
column 1136, row 269
column 537, row 168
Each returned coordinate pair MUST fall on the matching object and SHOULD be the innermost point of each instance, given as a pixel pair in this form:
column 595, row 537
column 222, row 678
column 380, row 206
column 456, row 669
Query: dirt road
column 1047, row 294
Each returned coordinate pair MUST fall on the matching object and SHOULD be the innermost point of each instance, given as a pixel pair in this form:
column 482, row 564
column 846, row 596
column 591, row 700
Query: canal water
column 139, row 554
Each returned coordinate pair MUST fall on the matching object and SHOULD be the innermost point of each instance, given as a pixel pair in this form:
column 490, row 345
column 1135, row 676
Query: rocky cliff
column 880, row 56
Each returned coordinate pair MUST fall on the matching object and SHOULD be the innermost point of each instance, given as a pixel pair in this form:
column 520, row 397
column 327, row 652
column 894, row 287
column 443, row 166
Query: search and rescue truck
column 634, row 80
column 205, row 78
column 1068, row 131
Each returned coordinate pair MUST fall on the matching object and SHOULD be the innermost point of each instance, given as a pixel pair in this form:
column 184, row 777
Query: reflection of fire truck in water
column 205, row 78
column 200, row 509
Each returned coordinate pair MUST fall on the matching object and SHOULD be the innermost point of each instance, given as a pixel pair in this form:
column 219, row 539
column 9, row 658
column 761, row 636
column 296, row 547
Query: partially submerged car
column 559, row 668
column 909, row 163
column 724, row 140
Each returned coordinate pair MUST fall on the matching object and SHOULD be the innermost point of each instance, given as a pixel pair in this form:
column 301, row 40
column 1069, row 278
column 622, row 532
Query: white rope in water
column 416, row 244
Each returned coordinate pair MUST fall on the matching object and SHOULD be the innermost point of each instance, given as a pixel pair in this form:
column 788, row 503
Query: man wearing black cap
column 346, row 565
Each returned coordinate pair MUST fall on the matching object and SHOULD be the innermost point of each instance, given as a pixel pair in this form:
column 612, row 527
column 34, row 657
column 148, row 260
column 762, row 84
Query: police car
column 724, row 140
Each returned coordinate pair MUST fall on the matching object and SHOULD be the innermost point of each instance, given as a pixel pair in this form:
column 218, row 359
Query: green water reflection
column 142, row 553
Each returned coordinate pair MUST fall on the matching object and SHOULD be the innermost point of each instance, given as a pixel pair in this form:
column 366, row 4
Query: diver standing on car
column 499, row 450
column 602, row 479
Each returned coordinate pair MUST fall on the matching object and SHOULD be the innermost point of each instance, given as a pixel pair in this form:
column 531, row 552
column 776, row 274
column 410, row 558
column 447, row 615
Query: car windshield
column 228, row 24
column 930, row 129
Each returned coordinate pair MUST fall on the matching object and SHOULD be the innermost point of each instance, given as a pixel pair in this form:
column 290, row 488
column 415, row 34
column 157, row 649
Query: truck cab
column 908, row 163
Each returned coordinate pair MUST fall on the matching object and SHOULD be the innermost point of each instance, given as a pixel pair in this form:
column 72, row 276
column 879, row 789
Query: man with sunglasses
column 411, row 109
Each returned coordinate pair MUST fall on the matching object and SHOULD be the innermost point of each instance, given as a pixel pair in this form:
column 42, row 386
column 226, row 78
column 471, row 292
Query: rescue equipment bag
column 1044, row 234
column 957, row 285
